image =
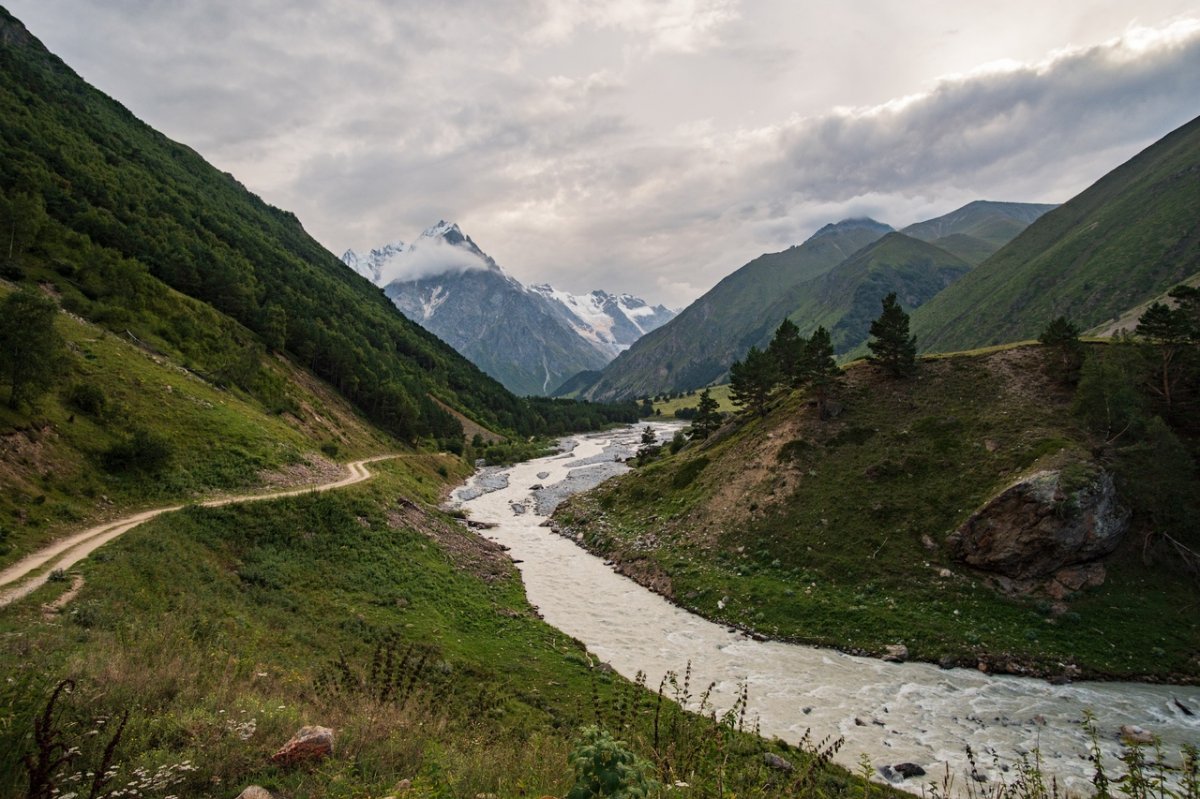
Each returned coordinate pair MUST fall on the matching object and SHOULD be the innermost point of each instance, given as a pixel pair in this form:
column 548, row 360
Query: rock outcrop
column 1041, row 534
column 309, row 743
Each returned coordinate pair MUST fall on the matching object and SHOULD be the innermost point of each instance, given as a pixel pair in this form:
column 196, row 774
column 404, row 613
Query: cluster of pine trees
column 793, row 361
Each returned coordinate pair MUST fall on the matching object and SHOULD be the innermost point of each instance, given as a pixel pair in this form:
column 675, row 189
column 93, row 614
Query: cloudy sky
column 650, row 146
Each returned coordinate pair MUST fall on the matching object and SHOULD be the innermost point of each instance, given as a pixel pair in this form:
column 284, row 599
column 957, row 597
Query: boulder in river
column 309, row 743
column 895, row 653
column 1040, row 530
column 907, row 770
column 1133, row 734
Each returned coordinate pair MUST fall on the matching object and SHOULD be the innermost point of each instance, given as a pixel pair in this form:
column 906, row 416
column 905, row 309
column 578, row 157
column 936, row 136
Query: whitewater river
column 893, row 712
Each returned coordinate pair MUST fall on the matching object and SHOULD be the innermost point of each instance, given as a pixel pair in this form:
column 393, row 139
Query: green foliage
column 846, row 299
column 1188, row 299
column 605, row 767
column 1164, row 325
column 686, row 474
column 1159, row 478
column 707, row 419
column 1107, row 399
column 819, row 370
column 1173, row 330
column 143, row 451
column 891, row 345
column 87, row 398
column 788, row 350
column 22, row 216
column 1063, row 336
column 697, row 347
column 752, row 381
column 31, row 349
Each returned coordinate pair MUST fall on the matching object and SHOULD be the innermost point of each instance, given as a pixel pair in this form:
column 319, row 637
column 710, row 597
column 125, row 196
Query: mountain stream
column 893, row 712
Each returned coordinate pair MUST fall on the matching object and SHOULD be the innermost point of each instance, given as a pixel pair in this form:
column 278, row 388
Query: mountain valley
column 898, row 549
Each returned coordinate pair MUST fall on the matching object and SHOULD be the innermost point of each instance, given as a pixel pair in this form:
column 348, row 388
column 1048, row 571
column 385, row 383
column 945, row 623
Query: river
column 892, row 712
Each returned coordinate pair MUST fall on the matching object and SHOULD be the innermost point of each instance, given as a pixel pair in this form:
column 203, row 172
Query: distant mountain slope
column 697, row 346
column 1128, row 237
column 530, row 338
column 979, row 228
column 846, row 299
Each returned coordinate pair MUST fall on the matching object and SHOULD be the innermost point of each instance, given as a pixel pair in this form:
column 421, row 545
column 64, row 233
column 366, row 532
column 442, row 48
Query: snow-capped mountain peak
column 446, row 230
column 530, row 338
column 440, row 249
column 371, row 265
column 611, row 322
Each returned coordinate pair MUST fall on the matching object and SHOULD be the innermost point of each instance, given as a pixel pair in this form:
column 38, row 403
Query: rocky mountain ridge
column 530, row 338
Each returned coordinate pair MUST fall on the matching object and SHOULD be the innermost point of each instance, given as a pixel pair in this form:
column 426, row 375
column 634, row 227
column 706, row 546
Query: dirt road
column 32, row 571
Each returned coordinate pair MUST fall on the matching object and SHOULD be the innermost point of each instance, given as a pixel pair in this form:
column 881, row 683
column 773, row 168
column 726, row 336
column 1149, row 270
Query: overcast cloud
column 649, row 146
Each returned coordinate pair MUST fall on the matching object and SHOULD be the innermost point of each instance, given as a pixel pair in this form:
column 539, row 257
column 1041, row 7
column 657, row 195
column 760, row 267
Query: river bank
column 892, row 712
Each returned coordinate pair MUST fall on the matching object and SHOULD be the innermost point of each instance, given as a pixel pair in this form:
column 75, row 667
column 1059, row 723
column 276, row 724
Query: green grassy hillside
column 222, row 631
column 978, row 229
column 1127, row 238
column 846, row 299
column 833, row 532
column 218, row 437
column 696, row 347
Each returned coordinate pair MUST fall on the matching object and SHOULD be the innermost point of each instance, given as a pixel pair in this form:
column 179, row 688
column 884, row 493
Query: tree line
column 792, row 361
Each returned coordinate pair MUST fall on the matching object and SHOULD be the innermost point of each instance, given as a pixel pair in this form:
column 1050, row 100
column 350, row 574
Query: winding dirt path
column 31, row 572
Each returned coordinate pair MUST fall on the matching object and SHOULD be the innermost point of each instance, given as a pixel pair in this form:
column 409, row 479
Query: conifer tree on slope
column 820, row 370
column 1063, row 336
column 787, row 348
column 708, row 416
column 891, row 345
column 752, row 380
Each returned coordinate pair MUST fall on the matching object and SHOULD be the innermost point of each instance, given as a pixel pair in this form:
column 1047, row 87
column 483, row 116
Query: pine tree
column 751, row 381
column 820, row 370
column 1170, row 329
column 787, row 350
column 891, row 346
column 1063, row 336
column 708, row 416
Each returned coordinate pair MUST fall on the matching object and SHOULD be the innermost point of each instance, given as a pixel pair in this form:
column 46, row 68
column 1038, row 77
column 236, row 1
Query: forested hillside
column 108, row 211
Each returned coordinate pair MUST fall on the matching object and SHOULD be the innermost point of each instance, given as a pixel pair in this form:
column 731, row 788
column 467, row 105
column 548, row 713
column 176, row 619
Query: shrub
column 330, row 448
column 143, row 452
column 604, row 767
column 688, row 472
column 86, row 398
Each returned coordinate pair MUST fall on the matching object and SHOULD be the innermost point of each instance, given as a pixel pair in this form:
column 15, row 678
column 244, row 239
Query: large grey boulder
column 1040, row 527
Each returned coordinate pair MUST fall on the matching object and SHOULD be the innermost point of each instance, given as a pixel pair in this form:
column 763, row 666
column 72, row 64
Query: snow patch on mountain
column 611, row 322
